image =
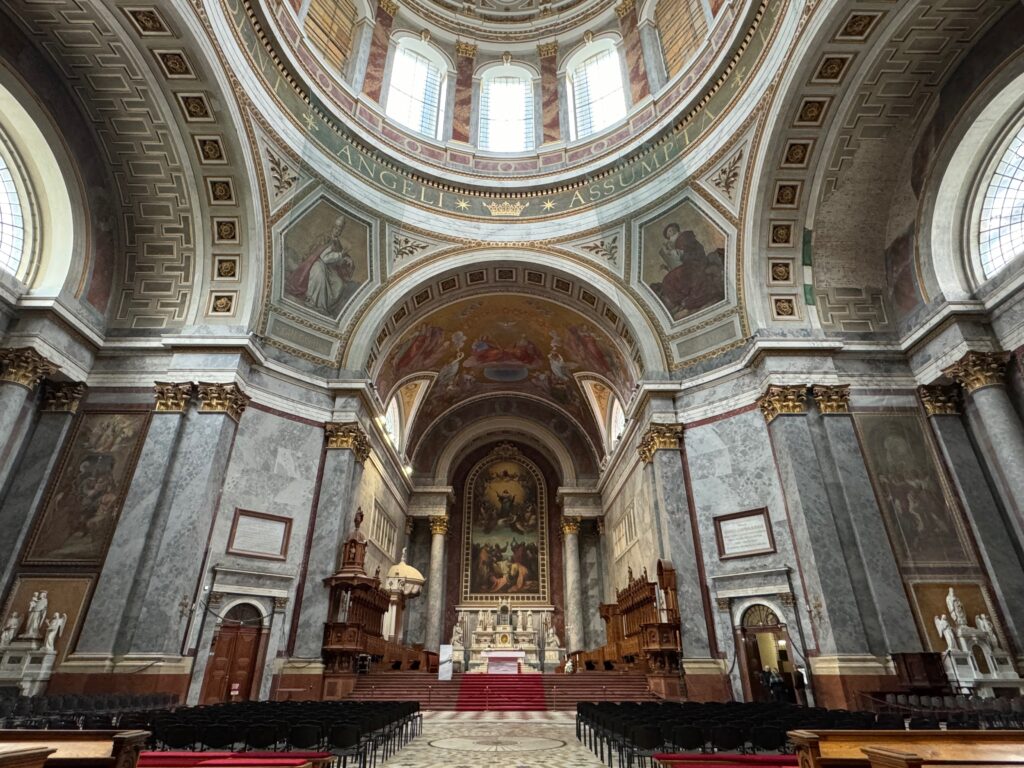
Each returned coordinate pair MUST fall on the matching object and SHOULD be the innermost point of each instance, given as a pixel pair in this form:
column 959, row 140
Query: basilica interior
column 673, row 348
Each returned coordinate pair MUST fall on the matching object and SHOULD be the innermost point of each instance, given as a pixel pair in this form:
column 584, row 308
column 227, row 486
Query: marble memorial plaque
column 744, row 534
column 257, row 534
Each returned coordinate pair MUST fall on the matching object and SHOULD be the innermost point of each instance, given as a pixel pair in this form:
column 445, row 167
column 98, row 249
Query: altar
column 506, row 641
column 503, row 662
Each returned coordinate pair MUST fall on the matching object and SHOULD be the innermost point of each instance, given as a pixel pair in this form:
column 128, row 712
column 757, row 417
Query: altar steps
column 565, row 691
column 502, row 693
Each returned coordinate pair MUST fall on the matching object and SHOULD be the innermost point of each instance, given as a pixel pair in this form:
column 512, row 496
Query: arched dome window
column 12, row 222
column 393, row 422
column 1001, row 229
column 594, row 87
column 417, row 86
column 506, row 110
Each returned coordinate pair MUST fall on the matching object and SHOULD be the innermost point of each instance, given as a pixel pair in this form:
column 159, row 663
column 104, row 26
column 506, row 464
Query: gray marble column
column 660, row 449
column 573, row 584
column 996, row 426
column 38, row 462
column 123, row 582
column 190, row 500
column 993, row 531
column 347, row 449
column 435, row 582
column 22, row 370
column 816, row 537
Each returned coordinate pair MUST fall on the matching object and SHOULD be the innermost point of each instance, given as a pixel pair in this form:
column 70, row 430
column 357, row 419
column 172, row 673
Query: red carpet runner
column 478, row 693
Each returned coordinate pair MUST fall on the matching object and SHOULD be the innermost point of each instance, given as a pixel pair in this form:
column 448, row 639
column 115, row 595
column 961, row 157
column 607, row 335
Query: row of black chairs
column 48, row 711
column 994, row 713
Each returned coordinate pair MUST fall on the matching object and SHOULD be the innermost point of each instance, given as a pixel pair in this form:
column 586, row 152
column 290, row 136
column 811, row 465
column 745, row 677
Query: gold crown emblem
column 506, row 208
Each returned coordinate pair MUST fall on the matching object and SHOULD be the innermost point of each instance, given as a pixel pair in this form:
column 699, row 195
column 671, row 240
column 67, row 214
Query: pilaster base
column 298, row 680
column 842, row 682
column 706, row 680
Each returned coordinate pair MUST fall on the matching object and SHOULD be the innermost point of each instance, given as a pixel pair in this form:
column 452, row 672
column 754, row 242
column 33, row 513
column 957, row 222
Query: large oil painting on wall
column 326, row 254
column 683, row 260
column 920, row 513
column 505, row 530
column 84, row 503
column 46, row 609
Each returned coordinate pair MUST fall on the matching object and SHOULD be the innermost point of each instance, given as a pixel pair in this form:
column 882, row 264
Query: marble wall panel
column 633, row 496
column 592, row 582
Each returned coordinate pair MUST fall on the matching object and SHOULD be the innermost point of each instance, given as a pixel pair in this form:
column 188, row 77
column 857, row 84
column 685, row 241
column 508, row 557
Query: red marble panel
column 639, row 88
column 549, row 99
column 374, row 79
column 463, row 98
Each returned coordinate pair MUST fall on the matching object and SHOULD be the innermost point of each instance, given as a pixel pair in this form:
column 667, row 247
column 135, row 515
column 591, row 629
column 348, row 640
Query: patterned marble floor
column 496, row 740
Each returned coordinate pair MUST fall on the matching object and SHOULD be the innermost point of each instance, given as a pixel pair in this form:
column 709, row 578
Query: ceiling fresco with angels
column 494, row 344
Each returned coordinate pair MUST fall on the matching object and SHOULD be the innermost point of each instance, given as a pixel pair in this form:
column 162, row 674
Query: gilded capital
column 222, row 398
column 390, row 7
column 832, row 399
column 62, row 397
column 25, row 366
column 625, row 7
column 172, row 397
column 545, row 50
column 779, row 400
column 723, row 603
column 570, row 525
column 977, row 370
column 439, row 525
column 348, row 435
column 659, row 437
column 467, row 50
column 939, row 400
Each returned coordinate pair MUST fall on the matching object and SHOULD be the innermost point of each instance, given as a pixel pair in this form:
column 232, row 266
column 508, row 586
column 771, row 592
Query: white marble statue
column 54, row 627
column 550, row 638
column 457, row 634
column 945, row 630
column 529, row 621
column 984, row 623
column 36, row 615
column 956, row 609
column 10, row 629
column 520, row 621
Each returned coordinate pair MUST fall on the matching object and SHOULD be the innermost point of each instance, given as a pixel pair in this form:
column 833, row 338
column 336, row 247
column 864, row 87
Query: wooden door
column 753, row 666
column 233, row 664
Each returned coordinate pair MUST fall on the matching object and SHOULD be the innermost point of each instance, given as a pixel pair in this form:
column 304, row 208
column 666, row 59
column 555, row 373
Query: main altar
column 496, row 637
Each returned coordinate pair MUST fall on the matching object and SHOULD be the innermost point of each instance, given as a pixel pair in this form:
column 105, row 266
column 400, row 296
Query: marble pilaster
column 122, row 584
column 639, row 88
column 384, row 18
column 551, row 130
column 573, row 584
column 343, row 469
column 996, row 426
column 993, row 533
column 435, row 582
column 21, row 370
column 463, row 109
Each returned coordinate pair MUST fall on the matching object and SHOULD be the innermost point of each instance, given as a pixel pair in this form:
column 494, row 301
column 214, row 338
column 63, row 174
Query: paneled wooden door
column 232, row 667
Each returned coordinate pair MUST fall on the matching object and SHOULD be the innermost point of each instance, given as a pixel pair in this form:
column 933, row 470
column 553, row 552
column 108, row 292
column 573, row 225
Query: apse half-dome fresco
column 505, row 343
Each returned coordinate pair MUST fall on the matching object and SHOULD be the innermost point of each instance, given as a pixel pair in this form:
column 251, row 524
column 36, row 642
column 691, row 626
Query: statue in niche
column 520, row 621
column 945, row 630
column 529, row 621
column 10, row 629
column 550, row 637
column 54, row 628
column 457, row 641
column 984, row 624
column 36, row 615
column 956, row 609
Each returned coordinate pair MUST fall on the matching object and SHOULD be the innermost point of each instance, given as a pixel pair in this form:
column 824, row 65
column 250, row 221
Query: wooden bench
column 825, row 749
column 81, row 749
column 16, row 756
column 883, row 757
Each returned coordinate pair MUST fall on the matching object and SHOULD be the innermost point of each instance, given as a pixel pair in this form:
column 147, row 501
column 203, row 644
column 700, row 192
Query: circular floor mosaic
column 498, row 743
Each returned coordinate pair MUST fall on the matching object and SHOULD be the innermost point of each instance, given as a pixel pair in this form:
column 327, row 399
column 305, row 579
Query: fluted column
column 573, row 585
column 465, row 56
column 996, row 425
column 639, row 88
column 551, row 129
column 435, row 581
column 373, row 81
column 22, row 370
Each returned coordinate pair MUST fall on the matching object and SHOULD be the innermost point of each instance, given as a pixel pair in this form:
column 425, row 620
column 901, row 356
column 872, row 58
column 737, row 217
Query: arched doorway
column 764, row 649
column 231, row 674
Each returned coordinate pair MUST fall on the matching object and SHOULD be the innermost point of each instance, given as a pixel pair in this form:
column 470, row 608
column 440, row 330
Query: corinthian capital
column 25, row 366
column 779, row 400
column 222, row 398
column 977, row 370
column 940, row 400
column 172, row 397
column 570, row 525
column 349, row 435
column 832, row 399
column 62, row 397
column 659, row 437
column 439, row 525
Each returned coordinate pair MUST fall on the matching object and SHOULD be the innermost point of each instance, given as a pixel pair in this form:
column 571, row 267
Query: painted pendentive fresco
column 326, row 257
column 505, row 530
column 683, row 260
column 505, row 343
column 922, row 519
column 83, row 507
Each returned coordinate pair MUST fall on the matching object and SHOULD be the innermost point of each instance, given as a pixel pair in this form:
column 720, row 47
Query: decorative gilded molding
column 172, row 397
column 62, row 397
column 780, row 400
column 390, row 7
column 222, row 398
column 624, row 8
column 439, row 525
column 977, row 370
column 506, row 208
column 467, row 50
column 659, row 437
column 940, row 400
column 570, row 525
column 545, row 50
column 25, row 366
column 348, row 435
column 280, row 602
column 787, row 599
column 832, row 398
column 723, row 603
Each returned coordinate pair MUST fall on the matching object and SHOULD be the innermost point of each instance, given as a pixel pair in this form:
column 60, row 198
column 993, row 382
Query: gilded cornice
column 940, row 400
column 571, row 525
column 348, row 436
column 25, row 367
column 439, row 525
column 172, row 397
column 465, row 50
column 783, row 400
column 659, row 437
column 831, row 399
column 977, row 370
column 546, row 50
column 62, row 397
column 222, row 398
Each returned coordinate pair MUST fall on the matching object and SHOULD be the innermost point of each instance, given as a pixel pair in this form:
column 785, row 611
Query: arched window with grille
column 507, row 110
column 416, row 88
column 1001, row 228
column 12, row 221
column 595, row 90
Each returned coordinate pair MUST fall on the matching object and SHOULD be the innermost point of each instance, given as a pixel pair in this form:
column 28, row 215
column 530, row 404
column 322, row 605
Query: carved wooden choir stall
column 354, row 637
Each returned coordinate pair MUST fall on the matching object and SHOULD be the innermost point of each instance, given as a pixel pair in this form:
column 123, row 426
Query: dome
column 403, row 578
